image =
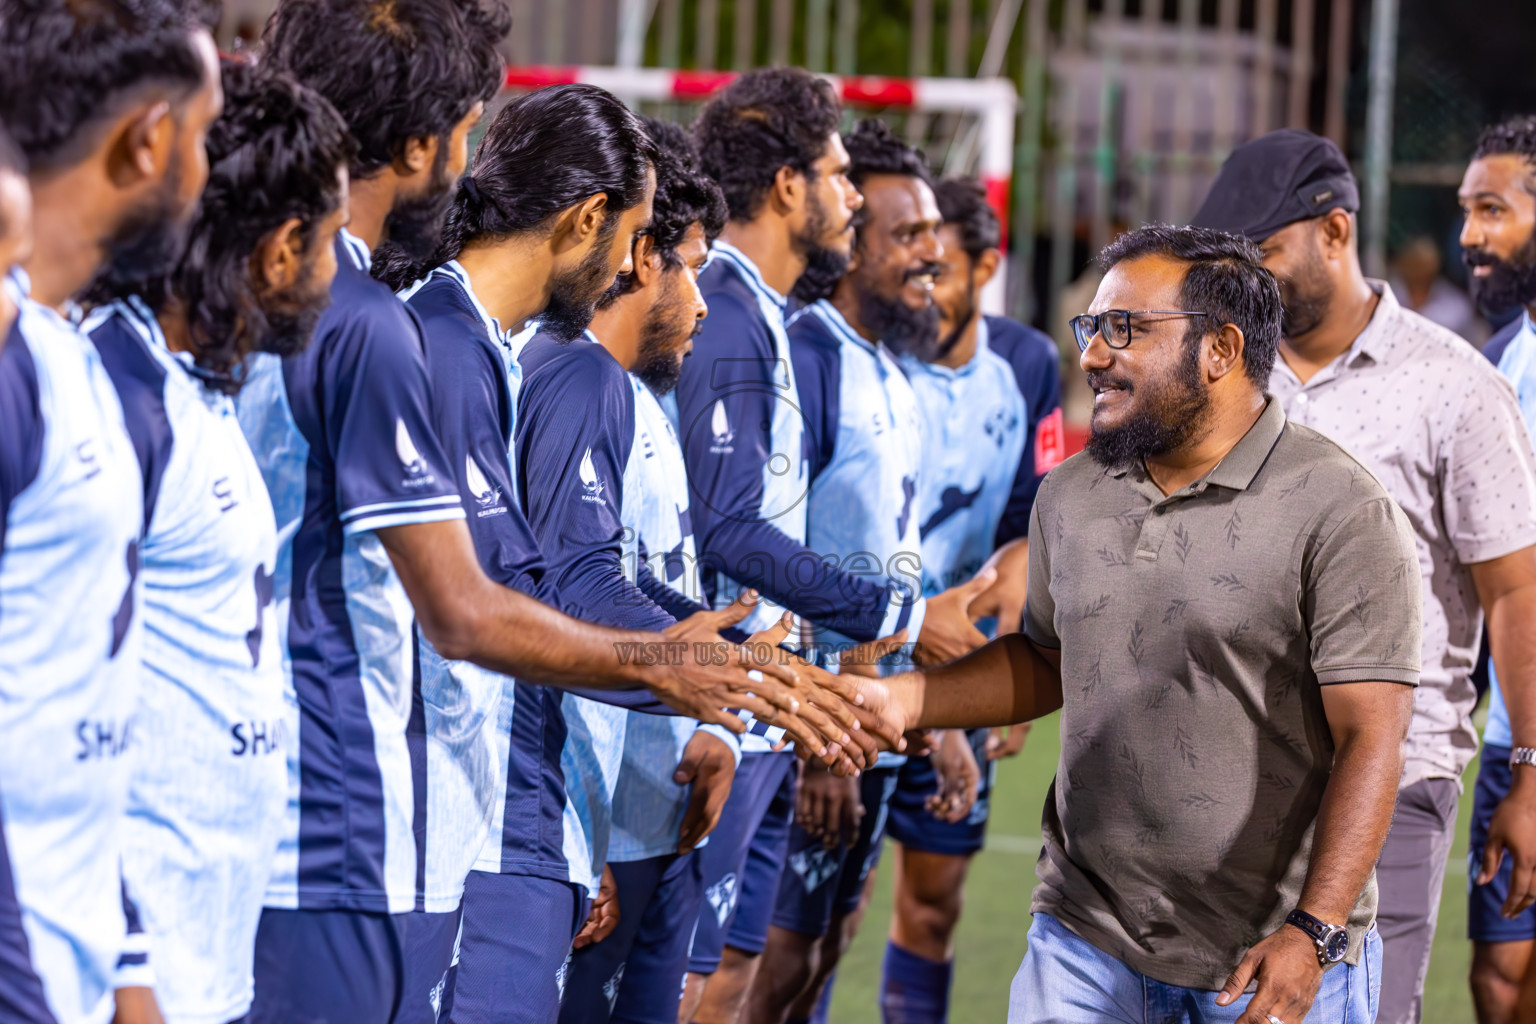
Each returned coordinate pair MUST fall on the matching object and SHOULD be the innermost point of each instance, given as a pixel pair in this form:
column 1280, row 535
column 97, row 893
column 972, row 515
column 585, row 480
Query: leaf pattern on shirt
column 1228, row 581
column 1094, row 677
column 1400, row 572
column 1276, row 780
column 1156, row 698
column 1110, row 557
column 1296, row 486
column 1361, row 609
column 1175, row 611
column 1200, row 801
column 1236, row 633
column 1131, row 517
column 1234, row 529
column 1094, row 609
column 1182, row 543
column 1136, row 648
column 1185, row 747
column 1201, row 663
column 1133, row 766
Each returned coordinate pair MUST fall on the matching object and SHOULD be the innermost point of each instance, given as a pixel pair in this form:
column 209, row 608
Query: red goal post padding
column 993, row 101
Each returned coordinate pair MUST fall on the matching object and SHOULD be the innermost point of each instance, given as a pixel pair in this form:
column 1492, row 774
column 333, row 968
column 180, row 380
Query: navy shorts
column 635, row 976
column 741, row 862
column 515, row 948
column 820, row 883
column 913, row 826
column 328, row 966
column 431, row 950
column 1484, row 922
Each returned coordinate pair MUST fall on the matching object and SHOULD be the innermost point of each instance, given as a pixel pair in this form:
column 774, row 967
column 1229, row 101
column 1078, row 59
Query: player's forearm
column 1357, row 804
column 1006, row 682
column 1512, row 646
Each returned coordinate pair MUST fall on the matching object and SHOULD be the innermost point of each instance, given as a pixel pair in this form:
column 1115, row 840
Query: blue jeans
column 1064, row 980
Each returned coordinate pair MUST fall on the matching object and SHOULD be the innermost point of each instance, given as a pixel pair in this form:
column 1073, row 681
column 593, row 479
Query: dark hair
column 273, row 155
column 395, row 70
column 963, row 205
column 685, row 195
column 1516, row 137
column 1225, row 279
column 69, row 65
column 542, row 154
column 764, row 120
column 872, row 149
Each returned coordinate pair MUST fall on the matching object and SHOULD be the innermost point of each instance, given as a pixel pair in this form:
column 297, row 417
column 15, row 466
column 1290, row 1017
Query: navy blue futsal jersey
column 743, row 434
column 1036, row 365
column 494, row 795
column 344, row 437
column 211, row 705
column 71, row 511
column 581, row 469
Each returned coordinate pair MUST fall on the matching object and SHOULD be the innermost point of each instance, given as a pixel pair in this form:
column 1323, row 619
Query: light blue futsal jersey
column 974, row 428
column 343, row 434
column 1518, row 363
column 866, row 453
column 71, row 511
column 210, row 779
column 648, row 805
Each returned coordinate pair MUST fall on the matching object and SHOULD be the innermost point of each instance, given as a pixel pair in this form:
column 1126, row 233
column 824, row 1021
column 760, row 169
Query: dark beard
column 659, row 366
column 415, row 224
column 292, row 315
column 145, row 248
column 824, row 267
column 1512, row 282
column 573, row 297
column 947, row 343
column 1171, row 412
column 1306, row 298
column 904, row 330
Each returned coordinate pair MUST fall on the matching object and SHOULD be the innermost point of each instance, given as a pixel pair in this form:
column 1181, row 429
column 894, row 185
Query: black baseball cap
column 1275, row 180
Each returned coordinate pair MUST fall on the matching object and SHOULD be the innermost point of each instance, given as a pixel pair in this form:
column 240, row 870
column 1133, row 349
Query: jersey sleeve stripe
column 441, row 500
column 404, row 518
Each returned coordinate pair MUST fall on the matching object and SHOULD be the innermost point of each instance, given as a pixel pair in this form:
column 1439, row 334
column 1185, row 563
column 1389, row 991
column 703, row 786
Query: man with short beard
column 109, row 105
column 255, row 276
column 864, row 435
column 1442, row 431
column 990, row 396
column 1498, row 201
column 770, row 140
column 374, row 546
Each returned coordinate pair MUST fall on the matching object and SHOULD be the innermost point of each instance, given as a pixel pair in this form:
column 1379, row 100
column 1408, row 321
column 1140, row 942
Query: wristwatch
column 1522, row 755
column 1332, row 940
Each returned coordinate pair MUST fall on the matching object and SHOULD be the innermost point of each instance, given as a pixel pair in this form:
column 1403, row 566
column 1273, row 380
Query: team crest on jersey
column 722, row 898
column 814, row 866
column 591, row 483
column 487, row 495
column 999, row 424
column 720, row 431
column 410, row 457
column 611, row 988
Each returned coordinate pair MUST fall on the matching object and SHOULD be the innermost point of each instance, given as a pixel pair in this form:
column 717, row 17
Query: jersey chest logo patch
column 487, row 495
column 1000, row 424
column 720, row 431
column 591, row 483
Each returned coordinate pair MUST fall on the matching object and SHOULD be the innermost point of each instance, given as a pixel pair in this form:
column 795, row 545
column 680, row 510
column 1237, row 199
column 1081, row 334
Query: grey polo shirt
column 1441, row 429
column 1195, row 632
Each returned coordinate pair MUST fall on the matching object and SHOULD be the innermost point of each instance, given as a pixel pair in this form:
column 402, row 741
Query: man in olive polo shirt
column 1225, row 607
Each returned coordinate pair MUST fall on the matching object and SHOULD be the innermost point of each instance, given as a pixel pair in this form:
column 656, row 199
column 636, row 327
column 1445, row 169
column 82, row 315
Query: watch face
column 1336, row 946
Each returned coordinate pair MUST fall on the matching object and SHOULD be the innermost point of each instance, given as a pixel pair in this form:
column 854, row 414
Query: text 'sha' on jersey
column 494, row 797
column 212, row 705
column 344, row 437
column 71, row 513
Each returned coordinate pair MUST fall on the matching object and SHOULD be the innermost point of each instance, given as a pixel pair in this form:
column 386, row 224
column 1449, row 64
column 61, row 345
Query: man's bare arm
column 1506, row 588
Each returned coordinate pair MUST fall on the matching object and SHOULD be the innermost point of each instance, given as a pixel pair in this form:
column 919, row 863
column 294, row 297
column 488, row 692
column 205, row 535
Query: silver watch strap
column 1522, row 755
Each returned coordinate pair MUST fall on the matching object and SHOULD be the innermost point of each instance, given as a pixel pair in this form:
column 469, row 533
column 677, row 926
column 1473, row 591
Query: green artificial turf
column 990, row 941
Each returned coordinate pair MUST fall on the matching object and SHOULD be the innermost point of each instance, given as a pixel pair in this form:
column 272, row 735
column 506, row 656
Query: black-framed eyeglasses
column 1115, row 325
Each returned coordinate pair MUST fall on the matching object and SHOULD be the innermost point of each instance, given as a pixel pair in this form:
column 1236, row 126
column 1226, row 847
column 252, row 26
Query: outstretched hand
column 949, row 630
